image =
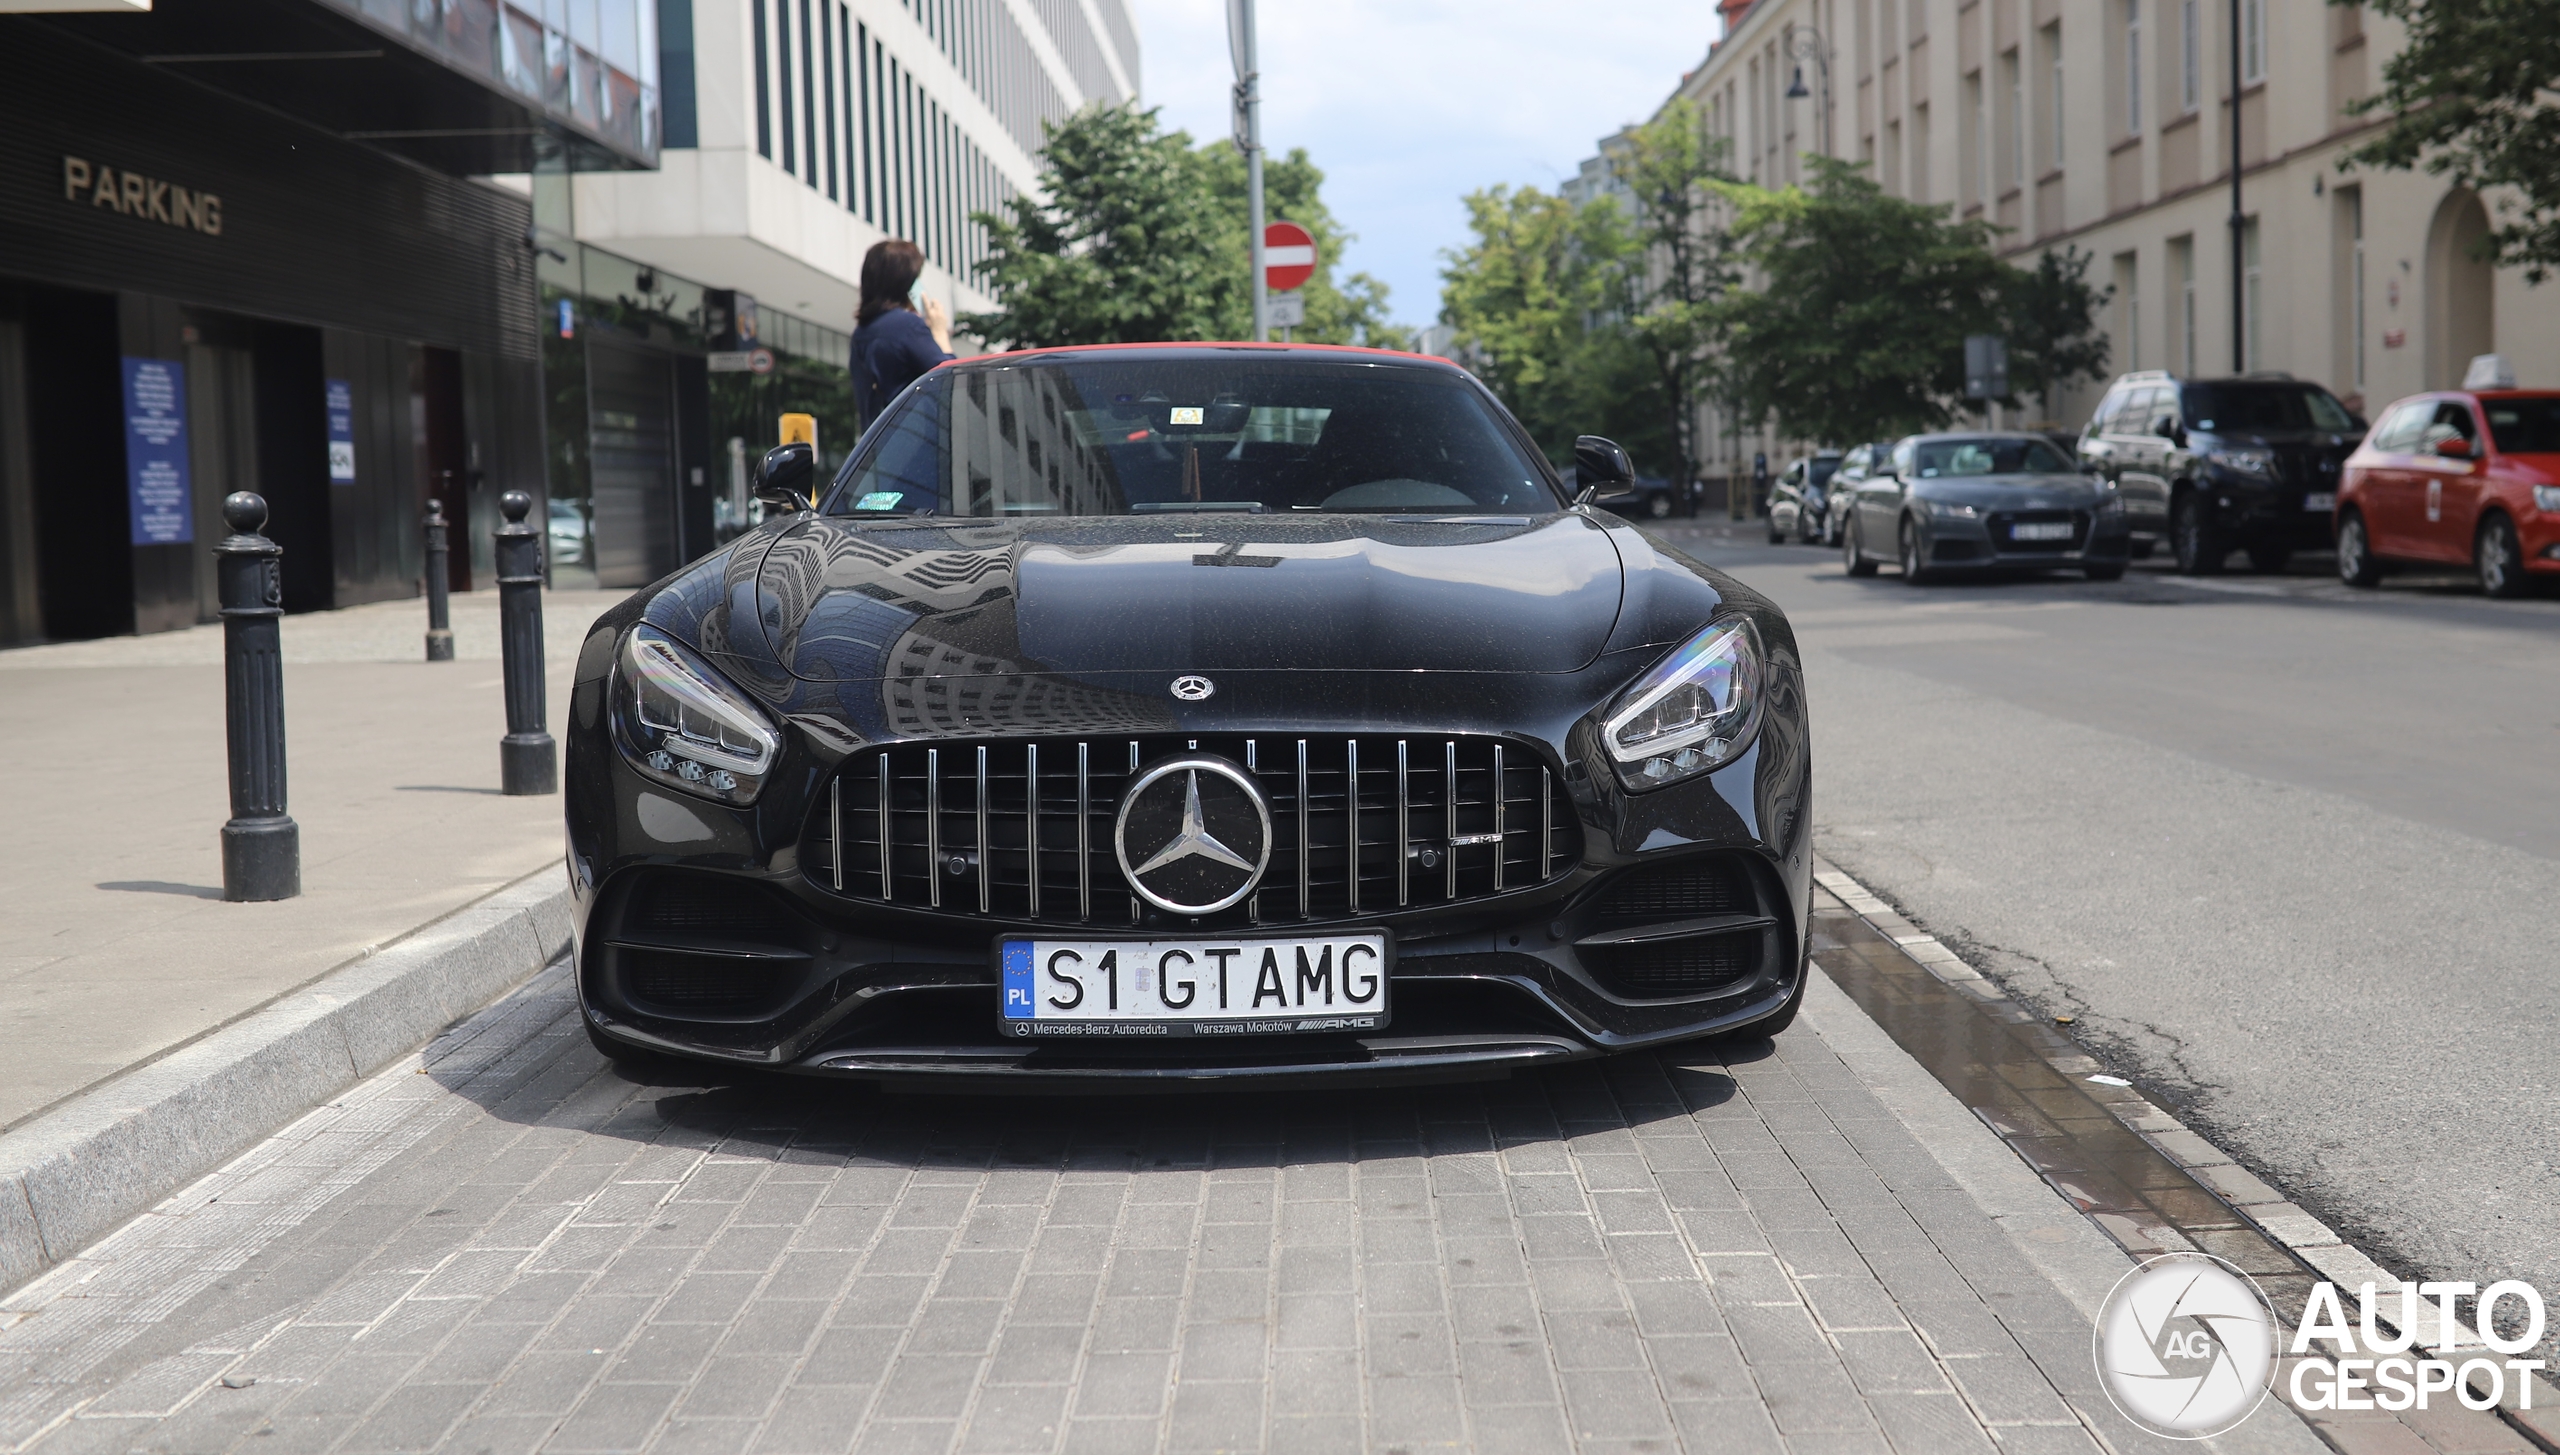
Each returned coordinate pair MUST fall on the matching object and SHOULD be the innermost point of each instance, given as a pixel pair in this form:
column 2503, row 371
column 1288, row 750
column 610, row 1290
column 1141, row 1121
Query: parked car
column 2457, row 477
column 568, row 531
column 1654, row 499
column 1840, row 496
column 2007, row 502
column 1797, row 500
column 2218, row 465
column 1365, row 749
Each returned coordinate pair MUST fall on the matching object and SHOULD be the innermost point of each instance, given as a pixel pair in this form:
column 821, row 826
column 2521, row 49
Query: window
column 2182, row 263
column 2352, row 198
column 2013, row 129
column 1920, row 152
column 2253, row 300
column 2253, row 41
column 2128, row 310
column 1976, row 178
column 2190, row 56
column 2053, row 88
column 2132, row 66
column 2397, row 434
column 2525, row 426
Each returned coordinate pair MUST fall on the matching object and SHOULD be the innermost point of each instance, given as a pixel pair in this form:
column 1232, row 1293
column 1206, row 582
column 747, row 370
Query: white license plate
column 2033, row 530
column 2321, row 500
column 1194, row 987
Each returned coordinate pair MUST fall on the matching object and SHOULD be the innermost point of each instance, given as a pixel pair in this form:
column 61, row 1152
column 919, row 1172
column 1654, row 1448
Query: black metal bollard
column 439, row 598
column 528, row 762
column 261, row 845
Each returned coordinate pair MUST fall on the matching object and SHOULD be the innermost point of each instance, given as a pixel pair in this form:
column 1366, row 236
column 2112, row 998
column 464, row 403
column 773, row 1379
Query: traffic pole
column 261, row 845
column 439, row 598
column 1248, row 106
column 528, row 761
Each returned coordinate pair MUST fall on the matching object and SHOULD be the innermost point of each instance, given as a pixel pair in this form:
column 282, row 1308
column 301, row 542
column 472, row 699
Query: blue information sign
column 155, row 451
column 342, row 433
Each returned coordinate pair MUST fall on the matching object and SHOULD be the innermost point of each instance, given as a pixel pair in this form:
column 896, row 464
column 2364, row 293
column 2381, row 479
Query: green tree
column 2470, row 95
column 1535, row 301
column 2054, row 339
column 1352, row 310
column 1856, row 327
column 1114, row 246
column 1669, row 284
column 1136, row 236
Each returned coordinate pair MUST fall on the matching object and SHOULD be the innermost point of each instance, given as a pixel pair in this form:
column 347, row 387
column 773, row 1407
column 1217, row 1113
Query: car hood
column 2269, row 439
column 843, row 600
column 2010, row 492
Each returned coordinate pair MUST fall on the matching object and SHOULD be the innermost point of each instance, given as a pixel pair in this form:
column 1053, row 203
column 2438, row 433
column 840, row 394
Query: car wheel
column 2499, row 558
column 1852, row 558
column 1915, row 571
column 2113, row 572
column 2356, row 565
column 2269, row 560
column 1658, row 506
column 2198, row 545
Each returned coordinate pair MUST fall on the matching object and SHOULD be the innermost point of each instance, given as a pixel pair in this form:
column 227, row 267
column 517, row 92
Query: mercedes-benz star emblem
column 1193, row 835
column 1193, row 689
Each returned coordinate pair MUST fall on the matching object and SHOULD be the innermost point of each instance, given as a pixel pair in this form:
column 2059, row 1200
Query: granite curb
column 74, row 1174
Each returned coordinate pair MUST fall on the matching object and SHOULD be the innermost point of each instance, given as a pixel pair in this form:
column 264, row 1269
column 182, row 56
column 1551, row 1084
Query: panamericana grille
column 2003, row 524
column 1361, row 825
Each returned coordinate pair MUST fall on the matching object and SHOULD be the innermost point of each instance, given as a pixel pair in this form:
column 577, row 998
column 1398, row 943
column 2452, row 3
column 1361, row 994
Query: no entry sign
column 1288, row 256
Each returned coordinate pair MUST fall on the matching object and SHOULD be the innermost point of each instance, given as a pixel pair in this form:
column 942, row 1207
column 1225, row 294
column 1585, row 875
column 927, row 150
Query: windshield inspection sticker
column 1185, row 414
column 880, row 500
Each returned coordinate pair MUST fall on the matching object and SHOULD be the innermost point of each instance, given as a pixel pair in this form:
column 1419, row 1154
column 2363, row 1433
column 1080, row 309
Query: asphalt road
column 2288, row 853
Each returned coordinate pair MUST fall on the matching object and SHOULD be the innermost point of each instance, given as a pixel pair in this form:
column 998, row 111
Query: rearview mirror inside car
column 783, row 476
column 1602, row 470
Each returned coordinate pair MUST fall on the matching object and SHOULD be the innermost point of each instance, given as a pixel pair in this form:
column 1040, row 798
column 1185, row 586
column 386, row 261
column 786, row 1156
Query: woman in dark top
column 892, row 346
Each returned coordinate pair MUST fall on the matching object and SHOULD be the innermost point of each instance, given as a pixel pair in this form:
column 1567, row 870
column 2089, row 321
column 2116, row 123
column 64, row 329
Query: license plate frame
column 2040, row 530
column 1025, row 991
column 2320, row 500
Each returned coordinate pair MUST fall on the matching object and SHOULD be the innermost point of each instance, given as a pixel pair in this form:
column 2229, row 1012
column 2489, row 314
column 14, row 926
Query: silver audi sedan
column 1942, row 503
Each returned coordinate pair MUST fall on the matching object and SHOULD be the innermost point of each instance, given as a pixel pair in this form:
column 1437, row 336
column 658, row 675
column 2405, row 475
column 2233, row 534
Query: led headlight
column 2547, row 498
column 2245, row 462
column 1950, row 510
column 683, row 724
column 1692, row 713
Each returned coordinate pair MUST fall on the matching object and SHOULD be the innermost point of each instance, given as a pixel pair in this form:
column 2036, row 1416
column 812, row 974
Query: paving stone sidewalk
column 503, row 1245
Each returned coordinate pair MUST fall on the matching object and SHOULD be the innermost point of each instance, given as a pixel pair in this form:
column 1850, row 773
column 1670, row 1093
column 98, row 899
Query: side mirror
column 2456, row 448
column 783, row 476
column 1601, row 470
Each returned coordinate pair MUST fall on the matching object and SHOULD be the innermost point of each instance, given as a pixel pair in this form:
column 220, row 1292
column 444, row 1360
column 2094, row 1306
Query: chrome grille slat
column 1468, row 816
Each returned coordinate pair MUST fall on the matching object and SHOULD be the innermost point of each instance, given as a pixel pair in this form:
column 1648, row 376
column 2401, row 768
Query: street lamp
column 1805, row 44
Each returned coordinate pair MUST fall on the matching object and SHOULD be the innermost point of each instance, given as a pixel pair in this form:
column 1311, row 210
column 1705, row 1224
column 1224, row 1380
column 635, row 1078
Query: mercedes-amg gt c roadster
column 1184, row 713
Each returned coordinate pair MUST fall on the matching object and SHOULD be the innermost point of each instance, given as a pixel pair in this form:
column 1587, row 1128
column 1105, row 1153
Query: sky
column 1408, row 105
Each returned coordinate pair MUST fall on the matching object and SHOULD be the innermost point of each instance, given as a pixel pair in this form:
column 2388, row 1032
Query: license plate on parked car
column 2037, row 530
column 2320, row 500
column 1194, row 987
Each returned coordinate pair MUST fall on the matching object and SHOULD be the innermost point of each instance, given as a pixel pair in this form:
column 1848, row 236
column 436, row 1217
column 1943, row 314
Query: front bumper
column 907, row 994
column 2258, row 509
column 1988, row 543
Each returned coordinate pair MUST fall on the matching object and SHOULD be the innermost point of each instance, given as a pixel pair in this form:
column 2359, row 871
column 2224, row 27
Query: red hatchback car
column 2459, row 476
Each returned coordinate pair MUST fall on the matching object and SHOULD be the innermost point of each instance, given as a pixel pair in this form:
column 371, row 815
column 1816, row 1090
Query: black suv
column 2218, row 465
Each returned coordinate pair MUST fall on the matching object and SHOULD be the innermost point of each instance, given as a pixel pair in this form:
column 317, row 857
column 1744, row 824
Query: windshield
column 2524, row 426
column 2245, row 407
column 1996, row 455
column 1180, row 435
column 1822, row 470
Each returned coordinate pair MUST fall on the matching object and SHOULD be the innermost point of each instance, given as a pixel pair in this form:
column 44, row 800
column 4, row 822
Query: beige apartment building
column 2106, row 125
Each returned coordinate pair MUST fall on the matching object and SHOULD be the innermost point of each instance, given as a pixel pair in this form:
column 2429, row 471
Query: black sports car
column 1156, row 713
